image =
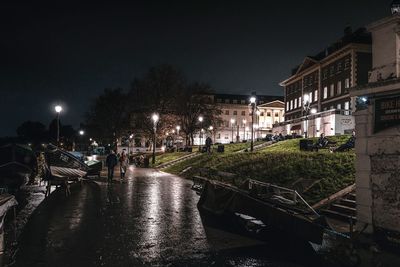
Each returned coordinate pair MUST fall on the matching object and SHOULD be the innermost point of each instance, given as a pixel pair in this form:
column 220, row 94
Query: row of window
column 243, row 113
column 296, row 103
column 345, row 106
column 338, row 92
column 235, row 101
column 335, row 68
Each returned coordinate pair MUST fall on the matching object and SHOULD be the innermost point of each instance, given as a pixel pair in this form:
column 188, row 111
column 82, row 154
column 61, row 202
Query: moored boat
column 63, row 165
column 17, row 163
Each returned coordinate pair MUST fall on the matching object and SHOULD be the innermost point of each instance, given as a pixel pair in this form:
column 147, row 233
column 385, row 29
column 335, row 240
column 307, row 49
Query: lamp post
column 244, row 129
column 211, row 132
column 253, row 107
column 313, row 111
column 81, row 133
column 155, row 119
column 306, row 108
column 58, row 109
column 201, row 131
column 232, row 123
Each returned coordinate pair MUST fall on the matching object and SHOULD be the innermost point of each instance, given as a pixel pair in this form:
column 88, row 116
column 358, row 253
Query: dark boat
column 17, row 163
column 95, row 167
column 63, row 165
column 281, row 209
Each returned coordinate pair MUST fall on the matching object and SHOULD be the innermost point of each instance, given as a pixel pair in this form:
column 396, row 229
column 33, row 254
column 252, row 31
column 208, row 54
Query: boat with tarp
column 63, row 165
column 17, row 164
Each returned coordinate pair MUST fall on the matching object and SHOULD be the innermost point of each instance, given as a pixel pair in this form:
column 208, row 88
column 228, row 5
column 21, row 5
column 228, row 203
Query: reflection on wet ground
column 151, row 218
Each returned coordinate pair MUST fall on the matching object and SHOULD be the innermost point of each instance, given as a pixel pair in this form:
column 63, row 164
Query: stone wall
column 377, row 174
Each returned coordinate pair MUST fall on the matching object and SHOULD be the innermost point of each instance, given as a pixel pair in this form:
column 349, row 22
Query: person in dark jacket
column 208, row 144
column 111, row 162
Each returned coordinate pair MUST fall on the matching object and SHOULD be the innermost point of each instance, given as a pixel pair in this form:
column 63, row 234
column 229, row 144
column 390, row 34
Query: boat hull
column 64, row 165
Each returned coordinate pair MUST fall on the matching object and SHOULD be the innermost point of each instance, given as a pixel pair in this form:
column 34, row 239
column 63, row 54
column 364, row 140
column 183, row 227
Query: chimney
column 347, row 30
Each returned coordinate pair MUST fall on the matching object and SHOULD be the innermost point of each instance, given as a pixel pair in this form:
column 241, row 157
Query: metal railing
column 281, row 194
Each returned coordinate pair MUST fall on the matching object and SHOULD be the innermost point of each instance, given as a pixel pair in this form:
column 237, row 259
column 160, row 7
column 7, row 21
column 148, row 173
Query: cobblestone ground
column 150, row 218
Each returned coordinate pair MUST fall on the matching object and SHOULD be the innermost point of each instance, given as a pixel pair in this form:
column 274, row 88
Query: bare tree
column 108, row 116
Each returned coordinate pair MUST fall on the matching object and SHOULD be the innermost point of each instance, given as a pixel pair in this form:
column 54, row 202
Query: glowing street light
column 58, row 110
column 306, row 108
column 155, row 119
column 201, row 130
column 253, row 108
column 81, row 132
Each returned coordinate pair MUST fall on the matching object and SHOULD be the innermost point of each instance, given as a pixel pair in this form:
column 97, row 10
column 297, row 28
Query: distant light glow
column 211, row 128
column 252, row 99
column 155, row 117
column 58, row 108
column 81, row 132
column 200, row 119
column 313, row 111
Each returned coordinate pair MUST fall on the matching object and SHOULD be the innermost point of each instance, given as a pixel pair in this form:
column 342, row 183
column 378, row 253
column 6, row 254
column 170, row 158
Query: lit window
column 347, row 105
column 291, row 104
column 310, row 96
column 339, row 87
column 316, row 95
column 287, row 105
column 339, row 106
column 299, row 100
column 347, row 83
column 295, row 103
column 325, row 92
column 332, row 93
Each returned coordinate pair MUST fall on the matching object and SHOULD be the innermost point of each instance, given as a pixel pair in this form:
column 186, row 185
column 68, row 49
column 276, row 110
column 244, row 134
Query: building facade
column 323, row 82
column 236, row 118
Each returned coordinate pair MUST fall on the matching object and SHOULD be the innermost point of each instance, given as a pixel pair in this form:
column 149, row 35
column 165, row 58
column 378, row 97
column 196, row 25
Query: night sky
column 69, row 54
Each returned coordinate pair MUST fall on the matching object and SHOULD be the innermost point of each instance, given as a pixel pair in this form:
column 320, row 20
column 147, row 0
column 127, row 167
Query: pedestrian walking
column 111, row 162
column 123, row 163
column 208, row 144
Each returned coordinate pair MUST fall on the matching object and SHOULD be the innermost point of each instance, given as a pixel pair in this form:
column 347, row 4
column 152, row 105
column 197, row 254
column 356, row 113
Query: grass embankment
column 166, row 157
column 283, row 164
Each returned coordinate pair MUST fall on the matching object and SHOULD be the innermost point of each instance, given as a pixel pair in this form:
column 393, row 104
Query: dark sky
column 69, row 54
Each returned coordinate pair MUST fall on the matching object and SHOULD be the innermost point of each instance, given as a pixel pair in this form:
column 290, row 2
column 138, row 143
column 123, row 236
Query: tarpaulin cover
column 6, row 202
column 221, row 199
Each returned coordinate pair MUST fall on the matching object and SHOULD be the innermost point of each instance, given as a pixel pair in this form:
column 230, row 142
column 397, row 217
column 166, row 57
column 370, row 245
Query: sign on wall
column 387, row 113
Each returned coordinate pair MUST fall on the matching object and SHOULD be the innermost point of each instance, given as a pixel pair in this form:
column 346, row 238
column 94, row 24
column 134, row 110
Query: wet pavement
column 150, row 219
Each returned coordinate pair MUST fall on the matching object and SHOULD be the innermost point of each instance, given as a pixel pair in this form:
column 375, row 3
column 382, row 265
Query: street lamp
column 58, row 109
column 232, row 123
column 306, row 108
column 81, row 132
column 253, row 107
column 155, row 119
column 244, row 129
column 201, row 131
column 177, row 129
